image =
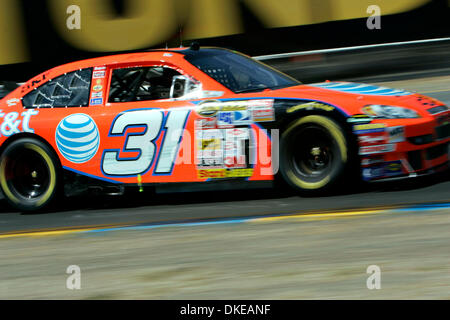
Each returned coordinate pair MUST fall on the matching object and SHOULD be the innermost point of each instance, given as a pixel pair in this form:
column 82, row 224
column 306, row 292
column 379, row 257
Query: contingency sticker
column 396, row 134
column 369, row 128
column 313, row 105
column 383, row 148
column 238, row 113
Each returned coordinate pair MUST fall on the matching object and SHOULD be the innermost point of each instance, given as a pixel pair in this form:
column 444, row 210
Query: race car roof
column 131, row 57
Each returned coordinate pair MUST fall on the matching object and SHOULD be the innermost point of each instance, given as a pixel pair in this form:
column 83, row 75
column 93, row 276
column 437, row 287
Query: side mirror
column 179, row 86
column 182, row 86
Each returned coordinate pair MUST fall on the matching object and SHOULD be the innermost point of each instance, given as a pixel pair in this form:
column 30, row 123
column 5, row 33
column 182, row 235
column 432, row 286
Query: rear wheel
column 29, row 174
column 313, row 154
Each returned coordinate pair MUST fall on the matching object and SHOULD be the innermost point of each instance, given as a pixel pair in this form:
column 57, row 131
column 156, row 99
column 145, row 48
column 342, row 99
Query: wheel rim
column 313, row 153
column 27, row 173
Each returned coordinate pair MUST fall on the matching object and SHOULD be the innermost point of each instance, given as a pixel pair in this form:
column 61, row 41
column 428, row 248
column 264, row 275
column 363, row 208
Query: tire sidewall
column 340, row 161
column 53, row 166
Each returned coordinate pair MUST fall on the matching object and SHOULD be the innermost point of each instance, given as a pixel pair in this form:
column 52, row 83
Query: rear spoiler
column 7, row 87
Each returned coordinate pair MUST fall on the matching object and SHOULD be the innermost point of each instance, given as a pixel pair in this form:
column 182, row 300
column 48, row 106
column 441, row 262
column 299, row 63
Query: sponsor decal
column 242, row 118
column 208, row 109
column 209, row 123
column 393, row 168
column 224, row 173
column 234, row 106
column 238, row 132
column 12, row 102
column 234, row 148
column 96, row 101
column 360, row 88
column 310, row 106
column 369, row 128
column 359, row 118
column 222, row 148
column 98, row 85
column 99, row 74
column 371, row 139
column 211, row 144
column 221, row 143
column 211, row 173
column 209, row 148
column 383, row 170
column 225, row 119
column 15, row 122
column 372, row 173
column 211, row 94
column 371, row 161
column 100, row 68
column 229, row 119
column 396, row 134
column 244, row 112
column 97, row 94
column 32, row 83
column 263, row 111
column 211, row 161
column 383, row 148
column 370, row 136
column 77, row 138
column 262, row 114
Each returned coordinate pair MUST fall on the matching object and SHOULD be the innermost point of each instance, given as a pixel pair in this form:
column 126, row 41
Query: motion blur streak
column 288, row 259
column 104, row 30
column 322, row 216
column 300, row 216
column 12, row 35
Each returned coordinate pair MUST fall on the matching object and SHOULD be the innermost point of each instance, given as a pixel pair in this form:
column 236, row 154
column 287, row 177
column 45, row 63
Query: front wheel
column 313, row 154
column 29, row 174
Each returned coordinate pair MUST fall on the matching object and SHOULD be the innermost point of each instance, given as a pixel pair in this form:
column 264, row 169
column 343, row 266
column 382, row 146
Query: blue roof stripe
column 358, row 88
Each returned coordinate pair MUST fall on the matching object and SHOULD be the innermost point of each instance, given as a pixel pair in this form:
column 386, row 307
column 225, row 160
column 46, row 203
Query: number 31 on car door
column 142, row 144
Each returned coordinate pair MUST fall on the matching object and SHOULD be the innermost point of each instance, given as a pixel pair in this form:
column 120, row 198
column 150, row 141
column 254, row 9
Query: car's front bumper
column 400, row 149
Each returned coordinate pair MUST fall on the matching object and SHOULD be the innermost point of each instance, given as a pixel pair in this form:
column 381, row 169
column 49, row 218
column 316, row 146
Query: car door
column 151, row 133
column 142, row 128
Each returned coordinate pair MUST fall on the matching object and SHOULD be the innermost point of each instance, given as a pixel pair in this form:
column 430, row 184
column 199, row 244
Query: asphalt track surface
column 148, row 209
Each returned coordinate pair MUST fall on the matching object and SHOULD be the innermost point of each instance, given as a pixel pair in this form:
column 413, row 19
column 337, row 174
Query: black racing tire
column 30, row 175
column 314, row 154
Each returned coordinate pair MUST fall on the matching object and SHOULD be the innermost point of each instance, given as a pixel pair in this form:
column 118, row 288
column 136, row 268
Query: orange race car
column 208, row 116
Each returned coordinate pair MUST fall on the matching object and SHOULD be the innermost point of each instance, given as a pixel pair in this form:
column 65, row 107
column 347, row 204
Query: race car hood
column 351, row 97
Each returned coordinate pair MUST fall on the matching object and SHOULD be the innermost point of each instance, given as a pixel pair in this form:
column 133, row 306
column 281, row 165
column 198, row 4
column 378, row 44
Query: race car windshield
column 237, row 72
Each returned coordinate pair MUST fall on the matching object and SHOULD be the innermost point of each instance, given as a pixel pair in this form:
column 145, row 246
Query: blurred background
column 37, row 35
